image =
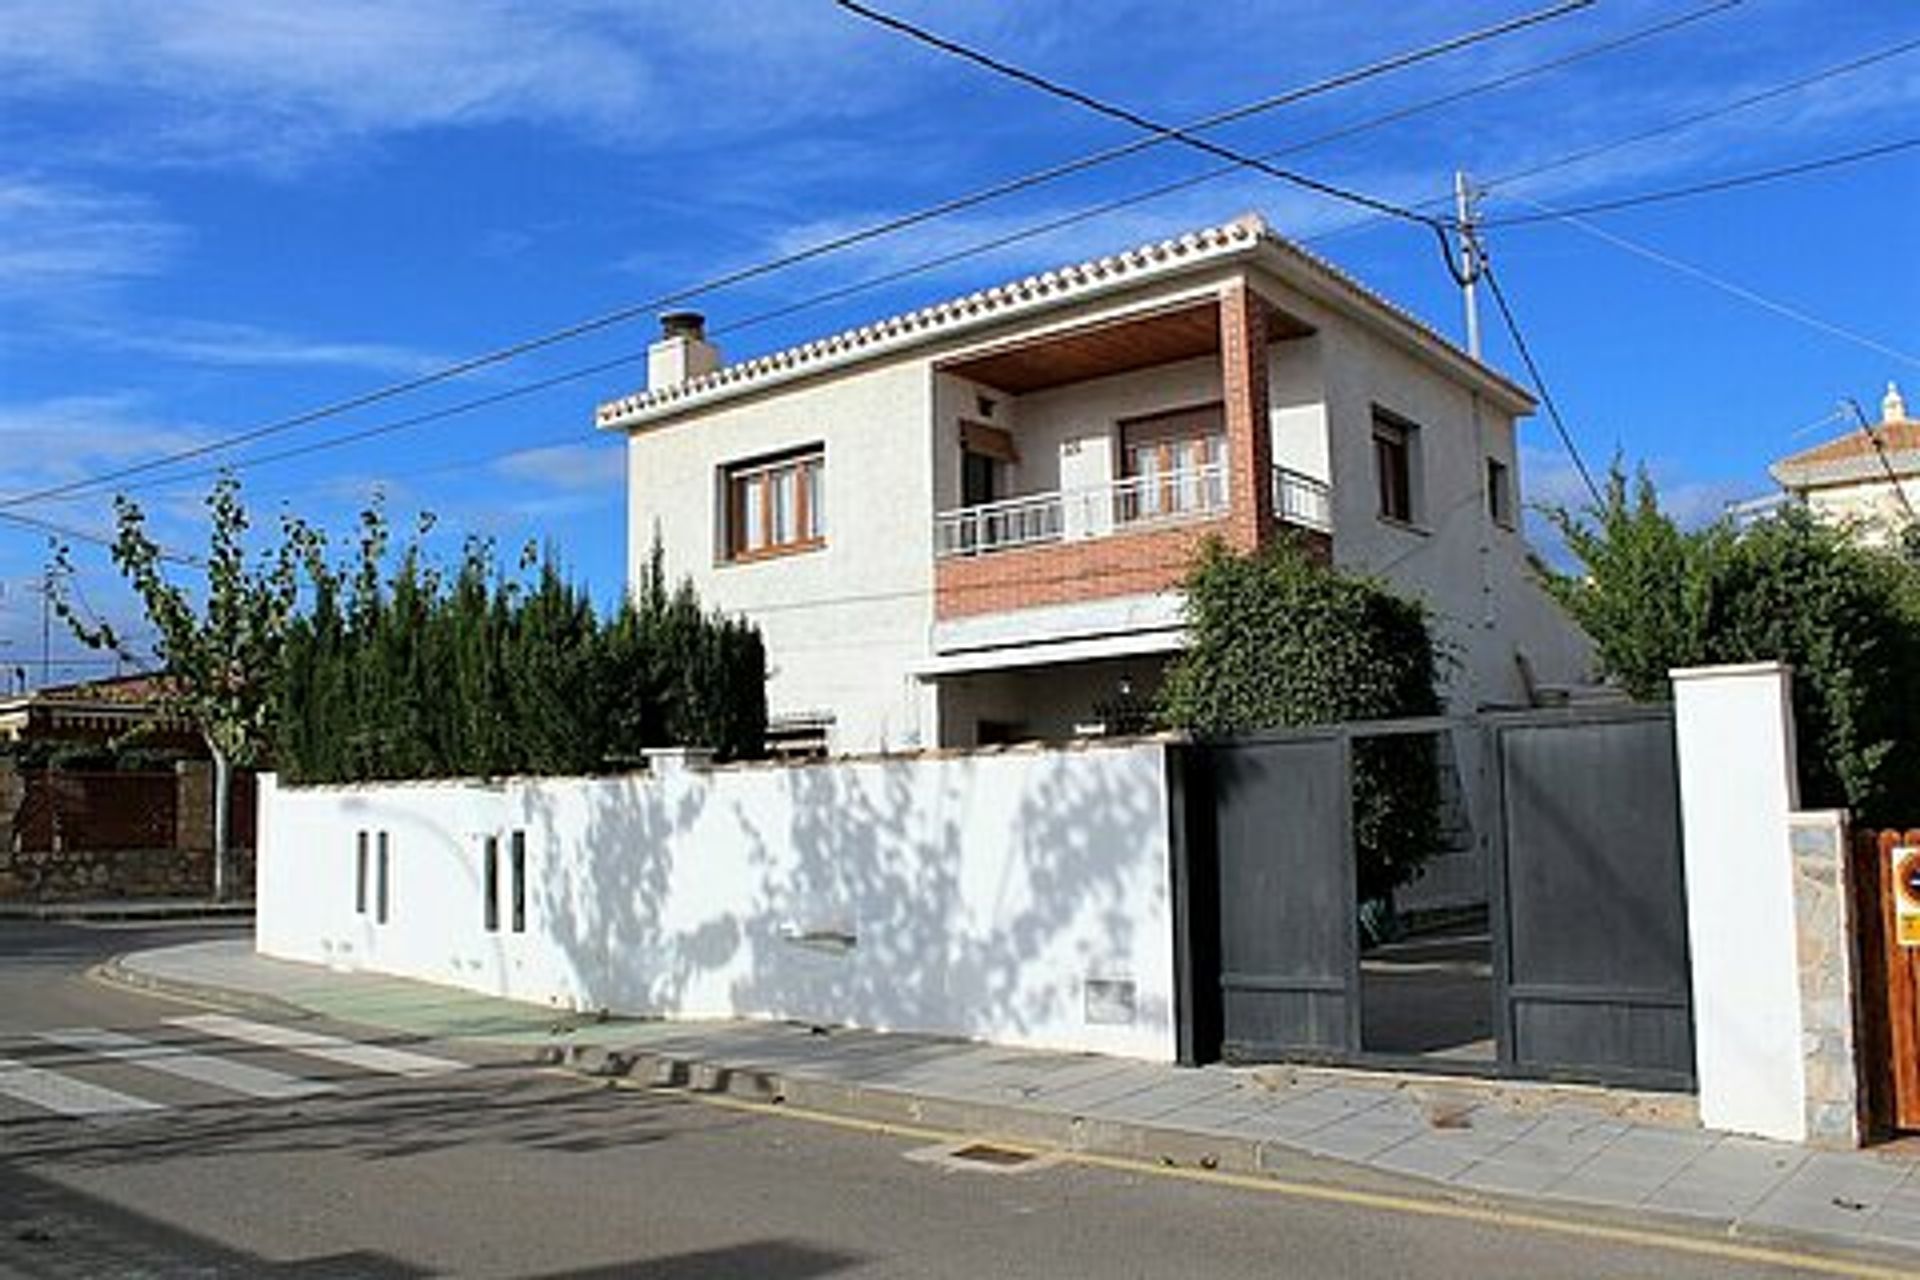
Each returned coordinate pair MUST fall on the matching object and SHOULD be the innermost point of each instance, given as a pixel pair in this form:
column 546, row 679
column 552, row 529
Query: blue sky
column 215, row 214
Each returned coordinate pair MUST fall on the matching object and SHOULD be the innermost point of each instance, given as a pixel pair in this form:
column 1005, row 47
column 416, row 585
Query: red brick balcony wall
column 1121, row 564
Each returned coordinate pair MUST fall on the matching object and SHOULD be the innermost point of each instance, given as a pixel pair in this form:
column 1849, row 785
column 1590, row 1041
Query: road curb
column 117, row 973
column 120, row 913
column 1136, row 1140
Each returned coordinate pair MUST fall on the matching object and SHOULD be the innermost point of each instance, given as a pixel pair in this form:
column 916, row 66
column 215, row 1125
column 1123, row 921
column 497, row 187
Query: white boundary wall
column 1019, row 897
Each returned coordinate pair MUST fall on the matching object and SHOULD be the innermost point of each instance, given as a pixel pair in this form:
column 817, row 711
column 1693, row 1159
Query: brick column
column 1243, row 381
column 13, row 793
column 193, row 806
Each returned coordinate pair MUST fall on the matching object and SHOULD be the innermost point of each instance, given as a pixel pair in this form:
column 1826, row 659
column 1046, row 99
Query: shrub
column 1277, row 640
column 1789, row 588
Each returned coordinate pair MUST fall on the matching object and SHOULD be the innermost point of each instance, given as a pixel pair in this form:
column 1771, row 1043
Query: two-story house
column 967, row 524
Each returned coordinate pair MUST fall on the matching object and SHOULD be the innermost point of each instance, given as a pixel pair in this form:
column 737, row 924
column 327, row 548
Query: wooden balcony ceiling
column 1099, row 350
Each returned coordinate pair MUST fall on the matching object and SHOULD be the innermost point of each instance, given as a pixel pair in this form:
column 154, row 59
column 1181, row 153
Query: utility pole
column 1466, row 210
column 46, row 629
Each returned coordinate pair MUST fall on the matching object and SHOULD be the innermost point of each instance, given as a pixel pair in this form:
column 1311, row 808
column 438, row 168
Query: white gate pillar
column 1738, row 787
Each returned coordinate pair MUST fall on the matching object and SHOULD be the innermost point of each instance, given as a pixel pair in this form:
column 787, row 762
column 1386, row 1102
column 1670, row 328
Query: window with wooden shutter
column 776, row 506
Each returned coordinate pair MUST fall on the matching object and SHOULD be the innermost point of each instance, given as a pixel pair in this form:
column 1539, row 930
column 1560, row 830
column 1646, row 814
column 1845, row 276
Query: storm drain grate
column 988, row 1154
column 976, row 1155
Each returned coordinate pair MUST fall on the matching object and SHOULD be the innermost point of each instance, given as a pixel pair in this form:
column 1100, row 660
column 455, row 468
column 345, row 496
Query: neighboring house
column 1867, row 479
column 966, row 524
column 90, row 714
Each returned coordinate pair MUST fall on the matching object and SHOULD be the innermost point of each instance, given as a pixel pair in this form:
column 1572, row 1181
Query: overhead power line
column 1539, row 379
column 1121, row 113
column 57, row 529
column 976, row 248
column 1707, row 188
column 971, row 250
column 1731, row 287
column 1679, row 124
column 1440, row 226
column 1880, row 452
column 833, row 244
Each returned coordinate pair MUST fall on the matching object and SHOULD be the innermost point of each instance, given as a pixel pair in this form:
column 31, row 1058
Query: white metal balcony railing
column 1302, row 500
column 1198, row 493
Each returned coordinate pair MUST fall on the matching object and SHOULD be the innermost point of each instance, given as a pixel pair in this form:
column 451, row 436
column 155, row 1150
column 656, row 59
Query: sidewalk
column 1606, row 1150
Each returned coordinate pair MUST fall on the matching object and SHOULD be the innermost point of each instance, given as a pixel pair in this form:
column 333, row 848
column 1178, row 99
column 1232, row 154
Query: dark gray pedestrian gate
column 1589, row 896
column 1578, row 814
column 1282, row 808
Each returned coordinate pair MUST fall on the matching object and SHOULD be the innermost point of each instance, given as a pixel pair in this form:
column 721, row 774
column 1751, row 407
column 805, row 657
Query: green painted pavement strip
column 463, row 1016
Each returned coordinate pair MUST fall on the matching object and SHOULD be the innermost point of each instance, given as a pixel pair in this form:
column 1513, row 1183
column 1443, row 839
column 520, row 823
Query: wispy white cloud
column 572, row 468
column 272, row 85
column 59, row 237
column 225, row 344
column 62, row 438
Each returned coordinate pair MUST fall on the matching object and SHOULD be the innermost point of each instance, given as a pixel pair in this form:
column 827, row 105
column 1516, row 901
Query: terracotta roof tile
column 1240, row 236
column 1895, row 437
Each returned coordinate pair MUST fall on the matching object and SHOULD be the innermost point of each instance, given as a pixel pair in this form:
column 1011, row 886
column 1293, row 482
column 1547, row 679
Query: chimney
column 1892, row 407
column 682, row 353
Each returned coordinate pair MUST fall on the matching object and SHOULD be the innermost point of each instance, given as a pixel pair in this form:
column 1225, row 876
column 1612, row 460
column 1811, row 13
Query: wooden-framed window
column 1178, row 461
column 1500, row 493
column 1396, row 448
column 776, row 506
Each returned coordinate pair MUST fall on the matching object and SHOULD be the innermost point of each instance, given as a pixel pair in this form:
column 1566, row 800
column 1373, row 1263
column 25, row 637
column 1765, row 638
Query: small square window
column 1500, row 493
column 1395, row 451
column 775, row 505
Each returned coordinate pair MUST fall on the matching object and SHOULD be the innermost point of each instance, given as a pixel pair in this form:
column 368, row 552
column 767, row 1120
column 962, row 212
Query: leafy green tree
column 1790, row 588
column 221, row 647
column 1642, row 594
column 1277, row 639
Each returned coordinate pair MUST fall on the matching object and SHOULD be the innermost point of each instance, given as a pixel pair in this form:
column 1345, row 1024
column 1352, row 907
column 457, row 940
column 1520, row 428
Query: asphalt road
column 484, row 1165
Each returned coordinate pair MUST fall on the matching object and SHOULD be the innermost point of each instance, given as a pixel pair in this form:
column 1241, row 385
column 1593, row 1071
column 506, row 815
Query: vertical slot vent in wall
column 519, row 882
column 360, row 873
column 490, row 882
column 382, row 875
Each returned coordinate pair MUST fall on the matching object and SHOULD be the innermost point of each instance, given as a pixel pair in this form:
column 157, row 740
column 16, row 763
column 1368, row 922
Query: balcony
column 1122, row 506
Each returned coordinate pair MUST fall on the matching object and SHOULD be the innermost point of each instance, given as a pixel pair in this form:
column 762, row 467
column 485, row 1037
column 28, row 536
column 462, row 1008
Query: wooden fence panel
column 1889, row 986
column 96, row 811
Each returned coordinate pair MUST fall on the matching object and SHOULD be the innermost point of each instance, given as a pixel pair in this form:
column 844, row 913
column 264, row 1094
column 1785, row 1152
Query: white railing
column 995, row 526
column 1302, row 500
column 1198, row 493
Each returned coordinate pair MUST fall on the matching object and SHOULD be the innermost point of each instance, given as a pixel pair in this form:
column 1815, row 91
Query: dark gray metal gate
column 1590, row 898
column 1288, row 961
column 1578, row 814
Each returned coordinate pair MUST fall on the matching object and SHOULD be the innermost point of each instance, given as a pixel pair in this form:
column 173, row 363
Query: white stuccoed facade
column 867, row 633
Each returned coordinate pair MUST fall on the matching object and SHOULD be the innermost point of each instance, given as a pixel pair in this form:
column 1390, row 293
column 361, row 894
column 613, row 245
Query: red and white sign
column 1904, row 865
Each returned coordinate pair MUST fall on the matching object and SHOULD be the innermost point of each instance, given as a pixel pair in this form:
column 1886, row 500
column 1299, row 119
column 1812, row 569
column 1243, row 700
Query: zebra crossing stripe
column 52, row 1091
column 364, row 1057
column 221, row 1073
